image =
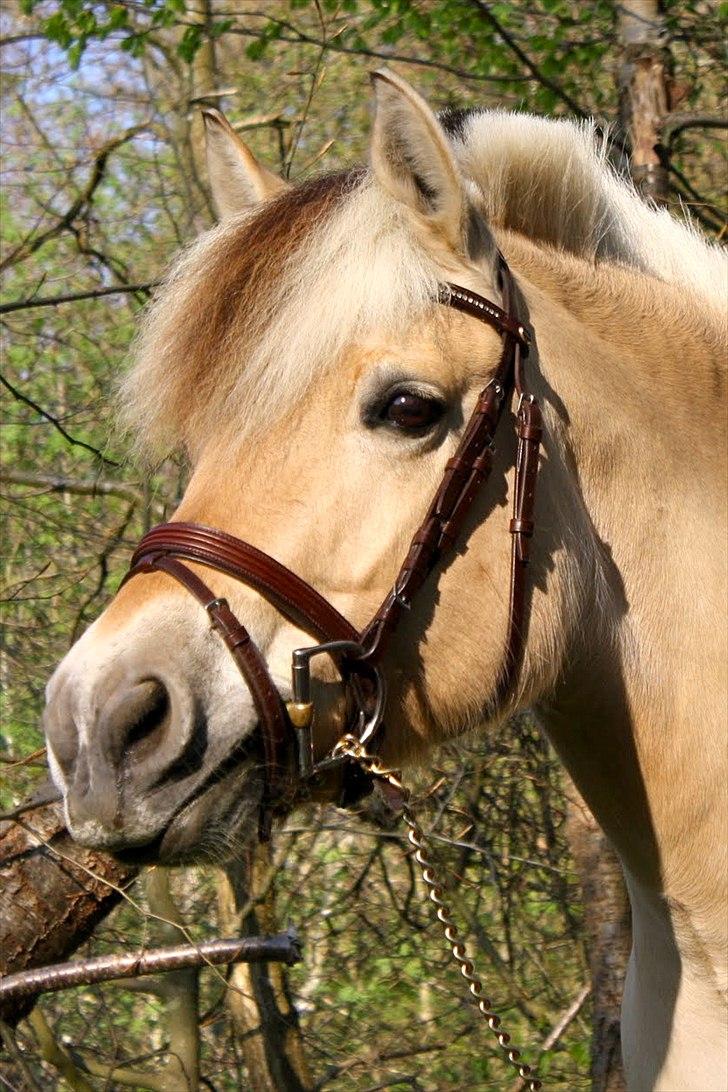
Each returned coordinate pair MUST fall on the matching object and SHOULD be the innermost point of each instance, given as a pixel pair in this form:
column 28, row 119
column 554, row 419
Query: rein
column 358, row 655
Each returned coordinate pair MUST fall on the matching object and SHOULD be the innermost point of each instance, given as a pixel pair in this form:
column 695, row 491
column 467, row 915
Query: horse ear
column 412, row 158
column 237, row 179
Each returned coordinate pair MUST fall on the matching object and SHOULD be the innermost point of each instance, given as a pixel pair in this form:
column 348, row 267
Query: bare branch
column 677, row 123
column 701, row 209
column 55, row 422
column 47, row 793
column 565, row 1019
column 72, row 297
column 335, row 46
column 120, row 1074
column 281, row 948
column 53, row 1053
column 65, row 221
column 261, row 121
column 85, row 487
column 7, row 1036
column 14, row 39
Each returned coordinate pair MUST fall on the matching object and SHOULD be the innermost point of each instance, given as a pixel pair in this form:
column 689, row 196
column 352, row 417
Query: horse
column 302, row 354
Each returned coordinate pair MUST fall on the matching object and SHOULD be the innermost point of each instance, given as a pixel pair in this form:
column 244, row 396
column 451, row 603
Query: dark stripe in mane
column 223, row 293
column 240, row 283
column 454, row 120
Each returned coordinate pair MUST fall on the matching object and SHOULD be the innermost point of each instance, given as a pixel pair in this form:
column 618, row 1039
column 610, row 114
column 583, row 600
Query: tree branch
column 120, row 1074
column 88, row 487
column 281, row 948
column 72, row 297
column 677, row 123
column 360, row 51
column 700, row 208
column 565, row 1019
column 526, row 61
column 55, row 422
column 7, row 1035
column 53, row 1053
column 559, row 1028
column 64, row 222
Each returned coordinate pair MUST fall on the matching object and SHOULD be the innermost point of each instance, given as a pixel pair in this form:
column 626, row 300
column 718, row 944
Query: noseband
column 358, row 655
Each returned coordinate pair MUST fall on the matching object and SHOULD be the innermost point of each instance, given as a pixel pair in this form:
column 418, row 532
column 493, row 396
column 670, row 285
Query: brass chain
column 351, row 747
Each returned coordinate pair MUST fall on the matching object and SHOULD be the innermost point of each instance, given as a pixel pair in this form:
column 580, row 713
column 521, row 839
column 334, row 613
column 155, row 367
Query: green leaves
column 75, row 23
column 191, row 42
column 453, row 33
column 255, row 50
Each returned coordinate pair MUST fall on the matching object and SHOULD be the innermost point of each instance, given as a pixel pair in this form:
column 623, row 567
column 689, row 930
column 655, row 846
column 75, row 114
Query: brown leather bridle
column 358, row 655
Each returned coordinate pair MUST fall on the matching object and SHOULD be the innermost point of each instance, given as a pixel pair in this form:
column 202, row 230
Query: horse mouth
column 217, row 820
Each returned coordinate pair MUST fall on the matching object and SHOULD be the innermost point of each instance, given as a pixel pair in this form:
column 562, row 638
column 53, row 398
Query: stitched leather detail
column 294, row 598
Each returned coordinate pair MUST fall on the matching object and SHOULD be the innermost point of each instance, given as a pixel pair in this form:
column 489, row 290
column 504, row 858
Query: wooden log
column 53, row 894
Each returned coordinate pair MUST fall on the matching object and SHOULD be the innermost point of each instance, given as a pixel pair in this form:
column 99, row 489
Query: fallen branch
column 281, row 948
column 54, row 893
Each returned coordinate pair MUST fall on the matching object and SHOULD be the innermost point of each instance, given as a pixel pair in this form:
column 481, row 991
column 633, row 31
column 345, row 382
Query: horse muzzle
column 142, row 765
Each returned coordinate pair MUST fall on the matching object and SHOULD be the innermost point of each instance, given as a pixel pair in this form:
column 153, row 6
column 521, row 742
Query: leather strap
column 274, row 720
column 294, row 598
column 465, row 474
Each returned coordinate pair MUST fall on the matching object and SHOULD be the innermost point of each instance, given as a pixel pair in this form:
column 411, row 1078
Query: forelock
column 259, row 306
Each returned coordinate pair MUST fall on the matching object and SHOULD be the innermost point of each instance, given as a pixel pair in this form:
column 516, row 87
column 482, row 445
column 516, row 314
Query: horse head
column 300, row 353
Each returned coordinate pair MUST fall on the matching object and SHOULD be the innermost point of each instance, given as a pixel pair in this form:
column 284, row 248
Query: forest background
column 103, row 179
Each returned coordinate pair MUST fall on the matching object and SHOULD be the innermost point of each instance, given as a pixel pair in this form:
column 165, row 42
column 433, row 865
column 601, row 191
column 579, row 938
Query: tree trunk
column 643, row 82
column 204, row 81
column 264, row 1016
column 179, row 990
column 609, row 938
column 53, row 894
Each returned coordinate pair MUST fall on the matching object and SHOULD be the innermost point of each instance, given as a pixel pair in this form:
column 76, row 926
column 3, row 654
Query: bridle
column 358, row 655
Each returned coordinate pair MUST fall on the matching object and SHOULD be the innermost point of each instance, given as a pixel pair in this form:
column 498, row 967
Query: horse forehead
column 444, row 348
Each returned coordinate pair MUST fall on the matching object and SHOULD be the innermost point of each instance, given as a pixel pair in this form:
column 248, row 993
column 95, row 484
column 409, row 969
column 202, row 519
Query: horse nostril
column 61, row 732
column 139, row 722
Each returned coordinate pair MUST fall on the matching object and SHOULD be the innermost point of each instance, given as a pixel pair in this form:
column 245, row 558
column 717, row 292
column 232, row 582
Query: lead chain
column 351, row 747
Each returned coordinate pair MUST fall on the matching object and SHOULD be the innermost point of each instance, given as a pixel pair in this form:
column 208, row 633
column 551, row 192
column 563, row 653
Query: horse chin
column 218, row 824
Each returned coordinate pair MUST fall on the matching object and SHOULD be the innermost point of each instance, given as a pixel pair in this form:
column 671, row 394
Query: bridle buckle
column 216, row 603
column 301, row 708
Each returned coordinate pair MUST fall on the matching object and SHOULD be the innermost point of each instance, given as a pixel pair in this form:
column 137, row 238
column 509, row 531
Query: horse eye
column 411, row 412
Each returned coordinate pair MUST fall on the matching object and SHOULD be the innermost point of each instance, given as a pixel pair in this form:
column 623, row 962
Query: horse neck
column 633, row 378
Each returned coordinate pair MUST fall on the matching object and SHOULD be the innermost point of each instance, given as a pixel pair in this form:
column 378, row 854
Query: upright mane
column 550, row 180
column 259, row 305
